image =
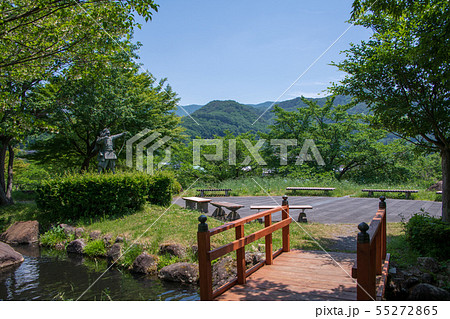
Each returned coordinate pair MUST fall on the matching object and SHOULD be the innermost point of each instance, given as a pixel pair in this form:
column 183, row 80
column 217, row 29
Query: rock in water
column 114, row 253
column 9, row 256
column 145, row 264
column 427, row 292
column 76, row 246
column 21, row 233
column 180, row 272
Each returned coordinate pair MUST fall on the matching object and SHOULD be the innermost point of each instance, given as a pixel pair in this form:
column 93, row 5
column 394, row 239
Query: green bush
column 95, row 248
column 130, row 253
column 93, row 195
column 427, row 235
column 55, row 236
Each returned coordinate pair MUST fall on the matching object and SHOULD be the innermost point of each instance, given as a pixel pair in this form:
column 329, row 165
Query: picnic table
column 219, row 212
column 198, row 203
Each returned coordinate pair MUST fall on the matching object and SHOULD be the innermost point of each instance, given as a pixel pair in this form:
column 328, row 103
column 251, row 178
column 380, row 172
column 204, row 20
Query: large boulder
column 114, row 253
column 172, row 249
column 76, row 246
column 427, row 292
column 145, row 264
column 180, row 272
column 21, row 233
column 223, row 271
column 9, row 256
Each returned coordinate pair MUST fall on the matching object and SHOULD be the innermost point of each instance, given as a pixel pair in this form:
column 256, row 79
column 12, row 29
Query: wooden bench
column 226, row 190
column 439, row 192
column 198, row 203
column 406, row 191
column 219, row 212
column 295, row 189
column 301, row 216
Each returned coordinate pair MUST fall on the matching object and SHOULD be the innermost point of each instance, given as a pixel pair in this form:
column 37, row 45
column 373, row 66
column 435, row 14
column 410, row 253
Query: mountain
column 217, row 116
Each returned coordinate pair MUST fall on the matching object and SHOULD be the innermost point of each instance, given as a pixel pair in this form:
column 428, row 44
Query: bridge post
column 285, row 230
column 240, row 257
column 382, row 205
column 204, row 262
column 365, row 261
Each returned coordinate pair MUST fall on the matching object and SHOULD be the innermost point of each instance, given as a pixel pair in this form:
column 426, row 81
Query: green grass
column 95, row 248
column 276, row 186
column 55, row 236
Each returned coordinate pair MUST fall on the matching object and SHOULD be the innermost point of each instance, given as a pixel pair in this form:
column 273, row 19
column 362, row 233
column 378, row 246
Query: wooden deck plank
column 299, row 275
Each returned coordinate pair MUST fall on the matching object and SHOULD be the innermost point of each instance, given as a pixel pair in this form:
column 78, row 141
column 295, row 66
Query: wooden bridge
column 296, row 274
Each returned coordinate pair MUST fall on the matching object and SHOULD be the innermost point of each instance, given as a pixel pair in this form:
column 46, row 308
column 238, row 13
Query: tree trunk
column 5, row 198
column 85, row 165
column 9, row 183
column 445, row 156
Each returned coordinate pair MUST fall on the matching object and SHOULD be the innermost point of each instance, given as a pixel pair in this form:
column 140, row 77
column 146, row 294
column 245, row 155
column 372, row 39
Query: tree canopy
column 403, row 74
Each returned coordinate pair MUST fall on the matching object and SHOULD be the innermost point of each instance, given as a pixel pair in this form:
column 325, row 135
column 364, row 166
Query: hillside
column 217, row 116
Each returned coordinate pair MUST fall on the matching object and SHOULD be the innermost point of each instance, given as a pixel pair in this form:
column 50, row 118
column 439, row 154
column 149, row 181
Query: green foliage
column 55, row 236
column 87, row 98
column 166, row 260
column 95, row 248
column 427, row 235
column 102, row 195
column 345, row 141
column 130, row 253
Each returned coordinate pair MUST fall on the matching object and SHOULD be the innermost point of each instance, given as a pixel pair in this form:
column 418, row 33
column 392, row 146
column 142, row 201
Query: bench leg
column 190, row 204
column 202, row 194
column 219, row 213
column 302, row 217
column 226, row 194
column 407, row 195
column 233, row 215
column 370, row 194
column 202, row 207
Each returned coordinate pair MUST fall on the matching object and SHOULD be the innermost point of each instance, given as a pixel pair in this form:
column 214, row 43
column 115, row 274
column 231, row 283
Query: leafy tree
column 344, row 141
column 84, row 100
column 39, row 38
column 402, row 73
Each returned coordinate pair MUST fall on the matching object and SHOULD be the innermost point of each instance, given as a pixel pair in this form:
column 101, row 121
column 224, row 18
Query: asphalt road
column 333, row 210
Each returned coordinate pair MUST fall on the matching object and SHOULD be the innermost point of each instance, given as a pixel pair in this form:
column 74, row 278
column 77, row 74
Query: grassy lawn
column 276, row 186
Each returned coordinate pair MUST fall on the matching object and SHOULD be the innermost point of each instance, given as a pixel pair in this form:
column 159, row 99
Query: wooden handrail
column 206, row 255
column 371, row 254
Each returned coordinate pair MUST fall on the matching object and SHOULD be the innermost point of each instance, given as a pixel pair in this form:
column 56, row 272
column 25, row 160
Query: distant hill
column 217, row 116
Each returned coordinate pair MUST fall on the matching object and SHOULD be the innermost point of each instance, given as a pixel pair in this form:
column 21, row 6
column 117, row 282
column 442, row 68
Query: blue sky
column 250, row 51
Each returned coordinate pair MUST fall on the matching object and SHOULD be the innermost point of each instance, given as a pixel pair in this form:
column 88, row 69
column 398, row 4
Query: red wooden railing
column 206, row 255
column 372, row 259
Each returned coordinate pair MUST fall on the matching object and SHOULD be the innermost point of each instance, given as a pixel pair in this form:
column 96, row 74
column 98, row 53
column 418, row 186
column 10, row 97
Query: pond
column 48, row 274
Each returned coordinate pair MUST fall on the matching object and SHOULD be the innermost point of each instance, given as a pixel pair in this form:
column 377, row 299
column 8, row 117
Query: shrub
column 93, row 195
column 95, row 248
column 55, row 236
column 427, row 234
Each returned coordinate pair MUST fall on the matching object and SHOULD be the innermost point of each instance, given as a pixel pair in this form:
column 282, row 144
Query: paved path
column 334, row 210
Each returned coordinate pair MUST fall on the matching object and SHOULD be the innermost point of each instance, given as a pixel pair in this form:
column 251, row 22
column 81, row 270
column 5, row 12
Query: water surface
column 48, row 274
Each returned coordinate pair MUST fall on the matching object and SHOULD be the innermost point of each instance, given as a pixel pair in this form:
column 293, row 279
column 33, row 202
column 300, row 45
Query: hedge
column 94, row 195
column 428, row 235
